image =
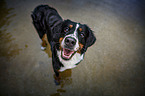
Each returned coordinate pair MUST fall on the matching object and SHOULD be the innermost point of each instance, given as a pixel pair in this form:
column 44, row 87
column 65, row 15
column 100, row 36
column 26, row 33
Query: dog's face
column 75, row 38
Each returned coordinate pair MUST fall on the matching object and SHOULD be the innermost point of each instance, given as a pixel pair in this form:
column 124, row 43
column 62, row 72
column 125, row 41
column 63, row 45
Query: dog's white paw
column 43, row 48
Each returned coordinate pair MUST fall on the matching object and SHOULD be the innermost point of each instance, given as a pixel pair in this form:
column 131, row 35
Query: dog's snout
column 70, row 42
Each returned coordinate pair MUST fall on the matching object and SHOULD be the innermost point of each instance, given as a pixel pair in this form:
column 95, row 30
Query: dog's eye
column 66, row 29
column 82, row 35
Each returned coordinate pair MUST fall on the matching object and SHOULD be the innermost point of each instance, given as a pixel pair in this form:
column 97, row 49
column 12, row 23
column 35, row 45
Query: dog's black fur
column 47, row 21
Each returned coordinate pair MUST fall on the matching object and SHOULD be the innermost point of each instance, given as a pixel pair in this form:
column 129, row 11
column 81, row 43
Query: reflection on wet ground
column 64, row 80
column 114, row 66
column 6, row 48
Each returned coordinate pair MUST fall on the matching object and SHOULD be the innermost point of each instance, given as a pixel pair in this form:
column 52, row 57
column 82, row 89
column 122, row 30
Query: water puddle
column 7, row 48
column 65, row 80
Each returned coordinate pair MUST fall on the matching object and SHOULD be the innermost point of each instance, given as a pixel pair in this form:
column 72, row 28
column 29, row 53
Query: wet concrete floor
column 114, row 66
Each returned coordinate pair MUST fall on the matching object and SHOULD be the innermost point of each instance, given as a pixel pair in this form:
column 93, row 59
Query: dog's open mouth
column 67, row 53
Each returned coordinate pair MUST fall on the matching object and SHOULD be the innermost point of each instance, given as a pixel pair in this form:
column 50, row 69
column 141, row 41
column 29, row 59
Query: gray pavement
column 113, row 66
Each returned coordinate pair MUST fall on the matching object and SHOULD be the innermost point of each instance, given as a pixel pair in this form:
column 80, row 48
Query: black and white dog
column 69, row 40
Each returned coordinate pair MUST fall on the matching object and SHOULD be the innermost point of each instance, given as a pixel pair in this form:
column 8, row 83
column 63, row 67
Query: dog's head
column 75, row 38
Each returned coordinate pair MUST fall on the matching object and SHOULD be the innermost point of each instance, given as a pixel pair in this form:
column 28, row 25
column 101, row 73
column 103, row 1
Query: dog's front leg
column 55, row 61
column 56, row 67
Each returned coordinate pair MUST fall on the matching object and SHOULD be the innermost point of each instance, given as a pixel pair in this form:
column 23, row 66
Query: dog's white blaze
column 75, row 32
column 69, row 64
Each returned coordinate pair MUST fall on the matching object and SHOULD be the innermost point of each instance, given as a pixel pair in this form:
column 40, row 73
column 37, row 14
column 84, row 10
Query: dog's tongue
column 67, row 53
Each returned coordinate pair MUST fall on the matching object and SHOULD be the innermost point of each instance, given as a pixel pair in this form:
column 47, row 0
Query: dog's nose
column 70, row 42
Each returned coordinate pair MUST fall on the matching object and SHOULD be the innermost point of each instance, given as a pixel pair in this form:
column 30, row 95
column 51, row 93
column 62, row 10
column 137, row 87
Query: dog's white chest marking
column 69, row 64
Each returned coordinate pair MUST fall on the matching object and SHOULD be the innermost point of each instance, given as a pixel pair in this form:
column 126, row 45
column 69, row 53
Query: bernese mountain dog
column 69, row 40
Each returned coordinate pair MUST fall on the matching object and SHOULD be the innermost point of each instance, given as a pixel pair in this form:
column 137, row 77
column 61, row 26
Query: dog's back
column 45, row 18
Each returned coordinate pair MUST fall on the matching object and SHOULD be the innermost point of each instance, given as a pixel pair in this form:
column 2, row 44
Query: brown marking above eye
column 80, row 29
column 70, row 26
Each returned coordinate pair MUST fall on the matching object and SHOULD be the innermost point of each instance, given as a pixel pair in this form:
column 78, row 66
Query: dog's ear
column 90, row 39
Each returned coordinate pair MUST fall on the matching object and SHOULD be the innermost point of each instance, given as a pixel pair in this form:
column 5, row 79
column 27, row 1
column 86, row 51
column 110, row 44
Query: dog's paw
column 57, row 80
column 43, row 48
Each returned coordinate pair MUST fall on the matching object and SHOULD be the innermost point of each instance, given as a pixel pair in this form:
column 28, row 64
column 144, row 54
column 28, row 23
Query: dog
column 69, row 40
